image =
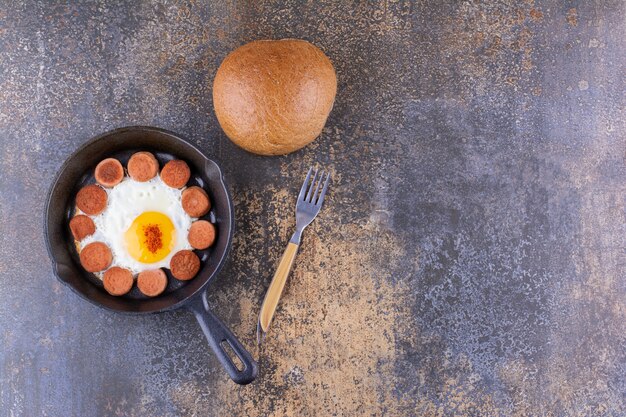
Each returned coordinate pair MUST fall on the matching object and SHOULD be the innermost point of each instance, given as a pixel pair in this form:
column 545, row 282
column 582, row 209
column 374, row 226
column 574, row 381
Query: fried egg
column 144, row 224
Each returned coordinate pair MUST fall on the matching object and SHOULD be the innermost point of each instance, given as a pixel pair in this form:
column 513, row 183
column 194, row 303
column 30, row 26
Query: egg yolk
column 151, row 237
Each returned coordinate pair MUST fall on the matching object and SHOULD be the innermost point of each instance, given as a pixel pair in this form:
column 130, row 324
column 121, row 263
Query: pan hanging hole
column 230, row 352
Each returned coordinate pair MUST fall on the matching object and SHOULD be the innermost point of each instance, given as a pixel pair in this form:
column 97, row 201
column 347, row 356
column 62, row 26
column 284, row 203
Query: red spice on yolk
column 152, row 235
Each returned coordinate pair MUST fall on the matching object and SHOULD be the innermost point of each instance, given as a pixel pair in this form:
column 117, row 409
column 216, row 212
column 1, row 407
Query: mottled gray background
column 470, row 258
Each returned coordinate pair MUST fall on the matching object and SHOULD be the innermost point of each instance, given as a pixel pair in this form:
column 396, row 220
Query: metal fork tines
column 310, row 200
column 308, row 206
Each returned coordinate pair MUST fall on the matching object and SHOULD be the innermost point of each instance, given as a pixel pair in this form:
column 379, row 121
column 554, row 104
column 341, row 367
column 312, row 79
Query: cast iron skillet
column 78, row 170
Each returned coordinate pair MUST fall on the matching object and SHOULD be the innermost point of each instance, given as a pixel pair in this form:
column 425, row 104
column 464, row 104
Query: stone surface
column 469, row 259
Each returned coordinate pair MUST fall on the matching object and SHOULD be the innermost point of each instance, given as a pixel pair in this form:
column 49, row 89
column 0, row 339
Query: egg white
column 126, row 201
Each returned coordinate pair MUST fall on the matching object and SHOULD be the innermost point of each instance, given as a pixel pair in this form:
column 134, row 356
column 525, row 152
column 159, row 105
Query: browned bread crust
column 273, row 97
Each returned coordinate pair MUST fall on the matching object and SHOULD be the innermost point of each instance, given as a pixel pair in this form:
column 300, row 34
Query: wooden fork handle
column 276, row 288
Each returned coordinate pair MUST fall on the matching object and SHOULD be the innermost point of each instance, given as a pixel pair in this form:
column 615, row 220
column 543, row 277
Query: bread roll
column 273, row 97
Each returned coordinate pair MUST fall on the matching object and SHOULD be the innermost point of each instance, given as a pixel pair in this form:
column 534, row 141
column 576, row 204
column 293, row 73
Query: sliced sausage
column 176, row 173
column 143, row 166
column 91, row 199
column 82, row 226
column 152, row 283
column 195, row 201
column 117, row 281
column 201, row 234
column 185, row 265
column 95, row 257
column 109, row 172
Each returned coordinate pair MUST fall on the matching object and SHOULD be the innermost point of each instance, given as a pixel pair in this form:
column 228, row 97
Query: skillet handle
column 218, row 335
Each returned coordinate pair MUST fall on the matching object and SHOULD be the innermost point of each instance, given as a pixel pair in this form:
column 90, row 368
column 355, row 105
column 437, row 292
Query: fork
column 308, row 206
